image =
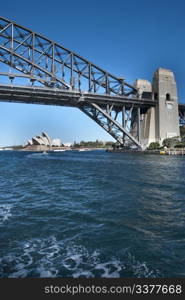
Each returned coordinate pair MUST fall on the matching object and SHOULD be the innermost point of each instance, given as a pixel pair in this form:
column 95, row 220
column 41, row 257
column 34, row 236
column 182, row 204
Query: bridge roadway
column 53, row 96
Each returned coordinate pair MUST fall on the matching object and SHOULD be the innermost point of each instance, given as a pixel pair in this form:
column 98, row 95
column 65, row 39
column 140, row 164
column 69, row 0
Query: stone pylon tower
column 166, row 114
column 147, row 119
column 162, row 121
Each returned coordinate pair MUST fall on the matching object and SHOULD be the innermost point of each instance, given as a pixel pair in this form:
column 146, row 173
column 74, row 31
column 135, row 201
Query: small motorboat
column 59, row 150
column 83, row 149
column 44, row 152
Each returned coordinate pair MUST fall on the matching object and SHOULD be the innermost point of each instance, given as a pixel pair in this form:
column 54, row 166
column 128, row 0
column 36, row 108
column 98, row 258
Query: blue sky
column 130, row 39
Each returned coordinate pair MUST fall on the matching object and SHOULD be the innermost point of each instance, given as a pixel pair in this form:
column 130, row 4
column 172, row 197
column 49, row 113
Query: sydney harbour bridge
column 36, row 70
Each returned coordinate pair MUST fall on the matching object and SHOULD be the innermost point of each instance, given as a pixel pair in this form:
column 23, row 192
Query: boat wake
column 48, row 257
column 5, row 212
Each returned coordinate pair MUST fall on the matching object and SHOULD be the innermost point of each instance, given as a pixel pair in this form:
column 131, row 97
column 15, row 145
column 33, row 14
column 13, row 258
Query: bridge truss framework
column 59, row 76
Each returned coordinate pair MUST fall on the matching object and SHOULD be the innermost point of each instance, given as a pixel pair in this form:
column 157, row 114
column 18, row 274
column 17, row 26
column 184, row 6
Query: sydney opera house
column 43, row 142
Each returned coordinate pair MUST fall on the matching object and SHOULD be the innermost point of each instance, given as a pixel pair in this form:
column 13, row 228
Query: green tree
column 154, row 146
column 180, row 145
column 170, row 142
column 183, row 139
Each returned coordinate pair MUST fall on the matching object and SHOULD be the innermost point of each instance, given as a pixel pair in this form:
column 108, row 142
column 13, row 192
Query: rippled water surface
column 91, row 214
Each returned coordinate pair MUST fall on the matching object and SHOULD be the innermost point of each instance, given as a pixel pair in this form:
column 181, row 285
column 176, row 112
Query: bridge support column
column 167, row 113
column 138, row 124
column 147, row 125
column 146, row 118
column 123, row 121
column 160, row 122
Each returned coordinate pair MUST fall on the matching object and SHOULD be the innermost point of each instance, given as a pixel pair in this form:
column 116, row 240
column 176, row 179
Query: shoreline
column 158, row 152
column 168, row 152
column 53, row 150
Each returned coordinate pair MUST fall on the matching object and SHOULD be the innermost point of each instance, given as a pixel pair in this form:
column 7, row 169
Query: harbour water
column 91, row 214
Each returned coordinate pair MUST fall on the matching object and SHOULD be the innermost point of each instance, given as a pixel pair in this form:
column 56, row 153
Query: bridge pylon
column 167, row 113
column 162, row 121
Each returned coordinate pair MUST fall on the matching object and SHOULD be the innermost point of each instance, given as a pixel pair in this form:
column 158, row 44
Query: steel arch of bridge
column 53, row 65
column 50, row 65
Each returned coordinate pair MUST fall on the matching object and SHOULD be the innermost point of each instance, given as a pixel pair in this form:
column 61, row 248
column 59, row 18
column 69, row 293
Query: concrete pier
column 162, row 121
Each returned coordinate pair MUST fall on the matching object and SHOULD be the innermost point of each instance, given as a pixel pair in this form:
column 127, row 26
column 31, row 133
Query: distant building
column 56, row 143
column 42, row 139
column 67, row 144
column 43, row 142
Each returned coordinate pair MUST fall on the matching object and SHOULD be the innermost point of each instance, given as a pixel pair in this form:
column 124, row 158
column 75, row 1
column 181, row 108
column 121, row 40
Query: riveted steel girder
column 109, row 123
column 53, row 65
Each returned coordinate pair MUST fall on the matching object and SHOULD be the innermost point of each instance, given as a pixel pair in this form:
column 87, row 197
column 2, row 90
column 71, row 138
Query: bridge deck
column 53, row 96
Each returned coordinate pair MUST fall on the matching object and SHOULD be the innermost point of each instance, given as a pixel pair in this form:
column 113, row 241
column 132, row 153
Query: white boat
column 59, row 150
column 83, row 149
column 44, row 152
